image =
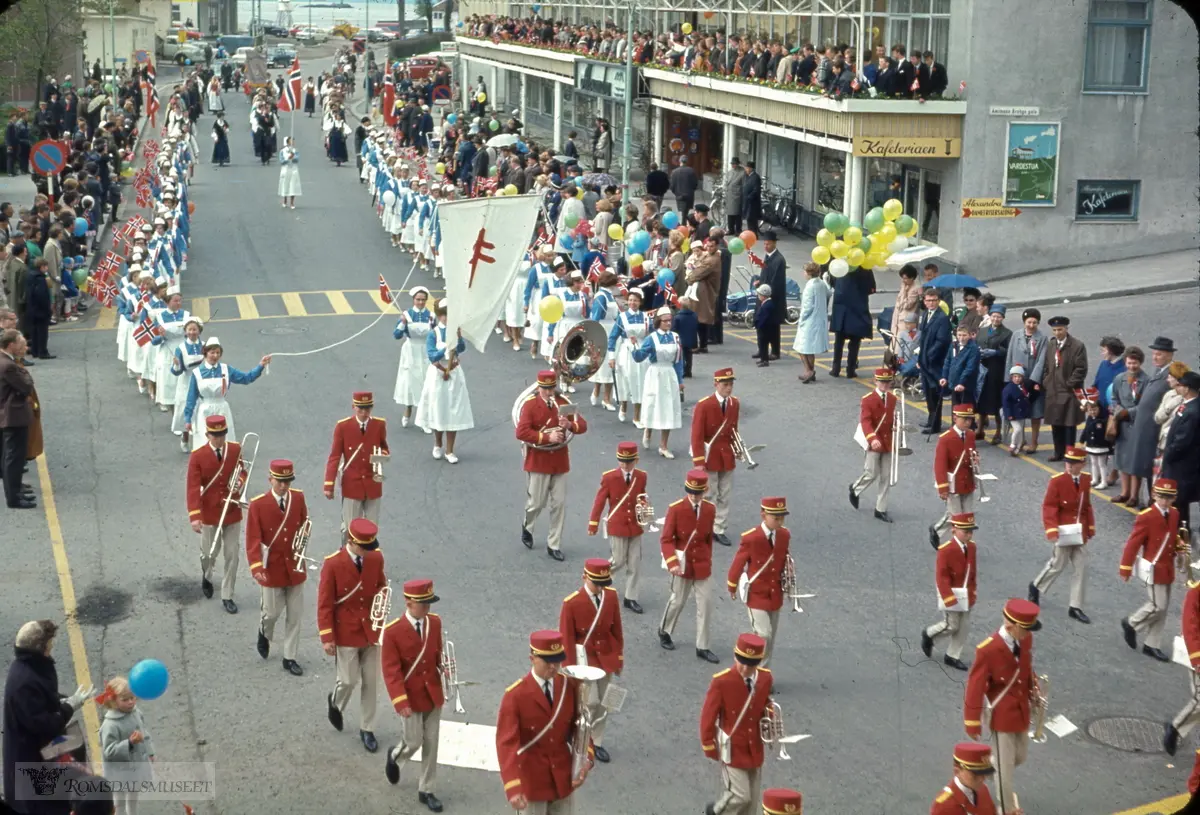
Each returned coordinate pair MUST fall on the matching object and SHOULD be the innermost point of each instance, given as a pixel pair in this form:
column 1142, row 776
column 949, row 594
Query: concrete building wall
column 130, row 33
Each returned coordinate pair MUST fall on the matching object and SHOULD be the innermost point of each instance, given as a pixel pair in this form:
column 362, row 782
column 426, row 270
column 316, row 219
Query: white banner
column 483, row 241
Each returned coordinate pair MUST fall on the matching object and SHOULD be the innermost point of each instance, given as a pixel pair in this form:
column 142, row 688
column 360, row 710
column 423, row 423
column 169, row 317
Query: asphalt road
column 882, row 719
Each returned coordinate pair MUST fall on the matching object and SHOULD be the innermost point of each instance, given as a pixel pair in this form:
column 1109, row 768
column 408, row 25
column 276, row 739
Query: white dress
column 604, row 376
column 445, row 404
column 164, row 358
column 575, row 311
column 409, row 236
column 631, row 374
column 556, row 286
column 124, row 326
column 211, row 403
column 414, row 362
column 136, row 355
column 191, row 354
column 661, row 408
column 514, row 306
column 533, row 331
column 289, row 173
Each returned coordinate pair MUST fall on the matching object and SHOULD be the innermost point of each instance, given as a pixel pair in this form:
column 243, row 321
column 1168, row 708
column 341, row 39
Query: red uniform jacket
column 1194, row 778
column 953, row 568
column 534, row 426
column 622, row 502
column 756, row 556
column 605, row 646
column 727, row 694
column 344, row 598
column 269, row 536
column 1191, row 624
column 1067, row 504
column 953, row 801
column 877, row 417
column 710, row 425
column 1152, row 534
column 993, row 670
column 683, row 531
column 404, row 654
column 208, row 484
column 352, row 446
column 953, row 455
column 543, row 771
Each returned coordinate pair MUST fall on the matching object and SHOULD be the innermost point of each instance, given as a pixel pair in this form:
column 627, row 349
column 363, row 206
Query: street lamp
column 630, row 84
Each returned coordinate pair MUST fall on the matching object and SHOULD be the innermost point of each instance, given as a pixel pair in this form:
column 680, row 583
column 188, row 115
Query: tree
column 400, row 12
column 450, row 7
column 425, row 9
column 37, row 37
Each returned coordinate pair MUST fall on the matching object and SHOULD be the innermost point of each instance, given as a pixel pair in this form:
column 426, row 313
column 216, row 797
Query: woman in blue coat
column 812, row 334
column 851, row 317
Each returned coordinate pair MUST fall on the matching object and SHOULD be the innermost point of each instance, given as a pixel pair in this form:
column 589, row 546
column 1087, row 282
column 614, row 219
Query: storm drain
column 1127, row 733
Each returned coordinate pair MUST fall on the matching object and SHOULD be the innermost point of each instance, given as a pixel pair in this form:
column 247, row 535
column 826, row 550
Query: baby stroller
column 907, row 377
column 742, row 303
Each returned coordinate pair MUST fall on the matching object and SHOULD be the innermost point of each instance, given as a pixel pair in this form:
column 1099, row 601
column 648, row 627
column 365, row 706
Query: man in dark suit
column 934, row 327
column 885, row 75
column 774, row 274
column 922, row 71
column 752, row 198
column 802, row 69
column 905, row 73
column 701, row 226
column 684, row 183
column 937, row 77
column 1180, row 462
column 16, row 415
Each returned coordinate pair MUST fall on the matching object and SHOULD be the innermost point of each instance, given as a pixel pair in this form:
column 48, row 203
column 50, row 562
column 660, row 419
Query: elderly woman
column 812, row 333
column 1127, row 391
column 993, row 341
column 908, row 299
column 1028, row 349
column 1167, row 408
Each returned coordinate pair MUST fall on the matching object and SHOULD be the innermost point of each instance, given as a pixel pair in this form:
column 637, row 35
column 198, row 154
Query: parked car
column 311, row 36
column 380, row 35
column 275, row 31
column 239, row 56
column 281, row 57
column 424, row 67
column 190, row 33
column 181, row 53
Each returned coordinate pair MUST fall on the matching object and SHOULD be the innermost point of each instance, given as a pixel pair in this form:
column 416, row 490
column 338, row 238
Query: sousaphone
column 577, row 356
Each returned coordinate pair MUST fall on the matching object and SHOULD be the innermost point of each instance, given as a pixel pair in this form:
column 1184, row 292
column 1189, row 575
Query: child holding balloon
column 125, row 743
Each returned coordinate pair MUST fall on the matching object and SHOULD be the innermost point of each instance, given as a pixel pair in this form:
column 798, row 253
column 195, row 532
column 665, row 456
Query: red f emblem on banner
column 478, row 256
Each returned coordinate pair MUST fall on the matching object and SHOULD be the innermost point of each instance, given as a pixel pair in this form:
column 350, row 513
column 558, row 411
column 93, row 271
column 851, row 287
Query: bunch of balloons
column 846, row 246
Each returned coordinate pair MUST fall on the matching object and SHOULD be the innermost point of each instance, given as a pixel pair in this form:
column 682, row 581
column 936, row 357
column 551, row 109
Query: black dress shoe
column 1156, row 653
column 47, row 356
column 926, row 644
column 555, row 554
column 633, row 605
column 24, row 503
column 755, row 356
column 602, row 755
column 929, row 431
column 230, row 606
column 390, row 768
column 206, row 587
column 852, row 374
column 723, row 539
column 368, row 740
column 28, row 363
column 264, row 646
column 335, row 715
column 835, row 372
column 853, row 497
column 26, row 487
column 664, row 639
column 1035, row 595
column 293, row 667
column 957, row 664
column 1077, row 614
column 1170, row 739
column 773, row 357
column 526, row 538
column 933, row 537
column 1130, row 634
column 710, row 809
column 707, row 655
column 430, row 800
column 883, row 516
column 762, row 363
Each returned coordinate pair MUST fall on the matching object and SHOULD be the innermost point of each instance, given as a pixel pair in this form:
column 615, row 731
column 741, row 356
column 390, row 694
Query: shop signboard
column 1107, row 200
column 606, row 79
column 1031, row 164
column 906, row 147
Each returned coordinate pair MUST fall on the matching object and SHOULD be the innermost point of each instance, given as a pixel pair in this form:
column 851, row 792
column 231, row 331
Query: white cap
column 145, row 275
column 160, row 281
column 147, row 228
column 192, row 318
column 442, row 303
column 575, row 275
column 448, row 187
column 211, row 341
column 558, row 261
column 415, row 290
column 663, row 311
column 173, row 290
column 135, row 267
column 158, row 221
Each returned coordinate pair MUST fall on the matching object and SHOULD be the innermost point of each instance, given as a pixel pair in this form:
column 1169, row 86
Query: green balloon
column 874, row 219
column 903, row 224
column 833, row 221
column 493, row 125
column 865, row 244
column 571, row 220
column 79, row 275
column 736, row 246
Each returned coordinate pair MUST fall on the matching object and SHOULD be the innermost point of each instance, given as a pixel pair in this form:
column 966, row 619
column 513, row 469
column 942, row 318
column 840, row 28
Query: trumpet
column 899, row 424
column 239, row 477
column 1183, row 555
column 450, row 681
column 1041, row 702
column 741, row 452
column 790, row 585
column 378, row 457
column 644, row 511
column 300, row 546
column 980, row 478
column 771, row 730
column 381, row 607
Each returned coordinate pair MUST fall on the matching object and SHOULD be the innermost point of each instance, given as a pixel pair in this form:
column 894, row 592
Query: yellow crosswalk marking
column 107, row 319
column 294, row 305
column 246, row 308
column 379, row 300
column 200, row 308
column 338, row 302
column 1165, row 805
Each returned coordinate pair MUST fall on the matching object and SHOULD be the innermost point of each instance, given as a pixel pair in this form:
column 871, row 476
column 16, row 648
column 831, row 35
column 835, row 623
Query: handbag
column 963, row 599
column 1112, row 429
column 1144, row 569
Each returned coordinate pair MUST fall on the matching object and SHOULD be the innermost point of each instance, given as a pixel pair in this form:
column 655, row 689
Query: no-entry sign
column 441, row 95
column 49, row 156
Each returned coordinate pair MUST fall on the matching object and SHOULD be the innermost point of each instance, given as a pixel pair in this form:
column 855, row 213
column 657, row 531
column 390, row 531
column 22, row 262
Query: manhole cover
column 1127, row 733
column 277, row 330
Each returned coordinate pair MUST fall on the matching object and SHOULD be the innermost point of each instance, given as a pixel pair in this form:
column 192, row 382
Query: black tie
column 419, row 630
column 628, row 478
column 358, row 562
column 1017, row 650
column 282, row 505
column 363, row 426
column 596, row 599
column 546, row 688
column 1076, row 482
column 771, row 539
column 220, row 457
column 722, row 407
column 749, row 685
column 697, row 512
column 550, row 404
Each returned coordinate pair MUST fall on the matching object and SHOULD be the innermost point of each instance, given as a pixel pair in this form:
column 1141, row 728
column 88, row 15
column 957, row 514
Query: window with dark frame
column 1118, row 46
column 1107, row 200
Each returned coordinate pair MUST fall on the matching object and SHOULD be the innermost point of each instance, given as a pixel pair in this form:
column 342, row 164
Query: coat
column 534, row 424
column 993, row 351
column 763, row 564
column 125, row 762
column 723, row 704
column 993, row 670
column 34, row 715
column 1156, row 539
column 961, row 367
column 733, row 190
column 707, row 273
column 774, row 274
column 1065, row 503
column 955, row 569
column 16, row 394
column 269, row 535
column 621, row 499
column 851, row 304
column 812, row 334
column 751, row 197
column 603, row 640
column 1128, row 390
column 208, row 485
column 345, row 596
column 411, row 664
column 15, row 273
column 1179, row 459
column 908, row 300
column 35, row 443
column 1145, row 429
column 39, row 305
column 542, row 772
column 1029, row 351
column 1062, row 378
column 351, row 455
column 712, row 433
column 683, row 532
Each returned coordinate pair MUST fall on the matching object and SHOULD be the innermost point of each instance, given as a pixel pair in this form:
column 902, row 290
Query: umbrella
column 566, row 159
column 601, row 179
column 503, row 140
column 914, row 254
column 97, row 103
column 956, row 281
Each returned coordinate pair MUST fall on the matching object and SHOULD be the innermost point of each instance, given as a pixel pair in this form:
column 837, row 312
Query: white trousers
column 681, row 587
column 352, row 508
column 766, row 625
column 1017, row 428
column 1152, row 616
column 231, row 540
column 1009, row 750
column 598, row 711
column 421, row 733
column 627, row 554
column 1187, row 718
column 876, row 467
column 722, row 484
column 274, row 603
column 955, row 505
column 357, row 666
column 955, row 625
column 546, row 492
column 740, row 791
column 1077, row 557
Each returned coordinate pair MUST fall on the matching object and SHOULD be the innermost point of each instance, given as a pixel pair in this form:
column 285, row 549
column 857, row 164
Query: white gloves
column 81, row 695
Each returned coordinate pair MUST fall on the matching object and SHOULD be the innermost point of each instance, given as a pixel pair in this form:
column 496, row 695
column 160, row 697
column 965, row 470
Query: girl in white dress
column 215, row 102
column 413, row 327
column 135, row 355
column 127, row 293
column 605, row 310
column 416, row 204
column 289, row 174
column 170, row 322
column 445, row 406
column 540, row 275
column 576, row 308
column 186, row 358
column 629, row 374
column 512, row 321
column 661, row 406
column 209, row 383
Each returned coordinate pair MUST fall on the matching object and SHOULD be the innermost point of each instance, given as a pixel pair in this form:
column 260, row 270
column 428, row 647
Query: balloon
column 191, row 207
column 639, row 271
column 686, row 246
column 852, row 235
column 684, row 230
column 616, row 232
column 820, row 255
column 494, row 172
column 839, row 267
column 903, row 224
column 865, row 243
column 511, row 189
column 833, row 222
column 493, row 125
column 127, row 172
column 888, row 233
column 856, row 257
column 878, row 244
column 898, row 245
column 912, row 230
column 78, row 259
column 635, row 261
column 79, row 275
column 749, row 238
column 452, row 118
column 640, row 242
column 481, row 97
column 825, row 238
column 839, row 249
column 874, row 259
column 666, row 277
column 551, row 308
column 568, row 242
column 389, row 198
column 708, row 15
column 873, row 219
column 439, row 168
column 892, row 208
column 736, row 246
column 571, row 219
column 670, row 219
column 148, row 679
column 81, row 227
column 686, row 28
column 579, row 193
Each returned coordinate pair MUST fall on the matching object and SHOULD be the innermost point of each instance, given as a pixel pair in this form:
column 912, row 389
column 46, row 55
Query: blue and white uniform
column 427, row 227
column 127, row 294
column 540, row 274
column 555, row 285
column 605, row 311
column 413, row 206
column 445, row 404
column 661, row 408
column 576, row 306
column 206, row 396
column 414, row 327
column 171, row 323
column 627, row 333
column 184, row 360
column 514, row 305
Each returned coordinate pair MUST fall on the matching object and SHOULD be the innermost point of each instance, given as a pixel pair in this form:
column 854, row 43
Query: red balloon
column 191, row 207
column 638, row 271
column 749, row 238
column 684, row 229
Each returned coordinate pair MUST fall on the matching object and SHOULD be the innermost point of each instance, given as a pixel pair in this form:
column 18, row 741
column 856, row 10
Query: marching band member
column 413, row 327
column 272, row 524
column 967, row 791
column 1002, row 679
column 714, row 423
column 354, row 441
column 576, row 308
column 606, row 308
column 1153, row 543
column 208, row 384
column 954, row 573
column 534, row 732
column 620, row 489
column 876, row 419
column 1068, row 501
column 662, row 406
column 687, row 553
column 542, row 424
column 954, row 462
column 730, row 730
column 445, row 404
column 210, row 468
column 1187, row 718
column 780, row 801
column 762, row 557
column 171, row 322
column 412, row 665
column 541, row 273
column 188, row 355
column 590, row 622
column 629, row 375
column 351, row 578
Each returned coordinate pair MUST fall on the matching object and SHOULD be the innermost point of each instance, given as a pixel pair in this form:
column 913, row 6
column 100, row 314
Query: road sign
column 987, row 208
column 359, row 46
column 141, row 56
column 441, row 95
column 49, row 156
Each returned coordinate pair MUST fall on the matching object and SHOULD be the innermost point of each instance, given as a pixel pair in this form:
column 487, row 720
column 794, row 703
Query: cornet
column 450, row 681
column 789, row 584
column 741, row 452
column 381, row 607
column 378, row 457
column 770, row 728
column 1183, row 555
column 1041, row 702
column 239, row 477
column 644, row 511
column 300, row 546
column 980, row 478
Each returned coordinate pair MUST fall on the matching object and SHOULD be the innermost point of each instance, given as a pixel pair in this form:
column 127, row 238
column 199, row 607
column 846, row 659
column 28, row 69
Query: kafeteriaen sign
column 902, row 147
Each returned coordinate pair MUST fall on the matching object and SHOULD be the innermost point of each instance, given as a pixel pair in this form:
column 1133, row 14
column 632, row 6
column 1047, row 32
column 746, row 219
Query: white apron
column 612, row 311
column 514, row 306
column 547, row 344
column 414, row 364
column 661, row 408
column 124, row 326
column 533, row 331
column 164, row 358
column 572, row 316
column 135, row 355
column 409, row 235
column 211, row 403
column 182, row 383
column 445, row 403
column 289, row 176
column 631, row 375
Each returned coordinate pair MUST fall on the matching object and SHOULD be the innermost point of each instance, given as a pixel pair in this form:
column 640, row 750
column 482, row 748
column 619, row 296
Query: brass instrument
column 381, row 607
column 791, row 588
column 770, row 728
column 741, row 452
column 450, row 681
column 1041, row 702
column 577, row 356
column 899, row 425
column 378, row 458
column 300, row 546
column 980, row 478
column 644, row 511
column 239, row 477
column 587, row 676
column 1183, row 556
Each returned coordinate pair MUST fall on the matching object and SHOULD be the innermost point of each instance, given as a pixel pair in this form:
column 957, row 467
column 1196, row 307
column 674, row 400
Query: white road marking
column 472, row 746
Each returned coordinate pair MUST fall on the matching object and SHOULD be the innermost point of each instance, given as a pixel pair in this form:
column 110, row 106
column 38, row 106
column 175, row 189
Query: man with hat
column 1150, row 553
column 590, row 622
column 730, row 730
column 1003, row 681
column 210, row 468
column 714, row 425
column 535, row 730
column 351, row 578
column 1144, row 428
column 1179, row 459
column 542, row 426
column 411, row 653
column 954, row 573
column 622, row 490
column 355, row 440
column 967, row 791
column 1070, row 523
column 274, row 521
column 687, row 554
column 876, row 424
column 760, row 563
column 781, row 801
column 774, row 274
column 1066, row 370
column 954, row 462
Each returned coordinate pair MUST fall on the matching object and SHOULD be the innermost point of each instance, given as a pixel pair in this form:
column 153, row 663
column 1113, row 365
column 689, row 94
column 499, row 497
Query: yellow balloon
column 820, row 255
column 511, row 189
column 439, row 168
column 839, row 249
column 825, row 238
column 635, row 261
column 852, row 235
column 912, row 231
column 892, row 209
column 616, row 232
column 551, row 308
column 878, row 244
column 579, row 193
column 856, row 257
column 888, row 233
column 686, row 246
column 481, row 97
column 687, row 28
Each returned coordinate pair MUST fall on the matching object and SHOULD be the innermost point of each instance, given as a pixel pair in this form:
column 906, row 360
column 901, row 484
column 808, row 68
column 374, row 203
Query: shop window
column 831, row 181
column 1118, row 43
column 1107, row 200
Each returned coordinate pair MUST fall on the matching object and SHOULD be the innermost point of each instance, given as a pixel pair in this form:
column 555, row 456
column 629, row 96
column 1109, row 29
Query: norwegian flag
column 151, row 74
column 854, row 86
column 143, row 333
column 596, row 269
column 289, row 100
column 755, row 259
column 962, row 86
column 388, row 101
column 150, row 150
column 108, row 265
column 152, row 103
column 915, row 86
column 531, row 253
column 484, row 185
column 134, row 224
column 385, row 291
column 143, row 198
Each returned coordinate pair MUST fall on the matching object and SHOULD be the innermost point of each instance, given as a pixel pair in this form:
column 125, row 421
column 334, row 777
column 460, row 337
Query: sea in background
column 359, row 13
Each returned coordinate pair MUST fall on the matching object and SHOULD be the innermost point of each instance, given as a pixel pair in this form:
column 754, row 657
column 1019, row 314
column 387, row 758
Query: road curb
column 1109, row 294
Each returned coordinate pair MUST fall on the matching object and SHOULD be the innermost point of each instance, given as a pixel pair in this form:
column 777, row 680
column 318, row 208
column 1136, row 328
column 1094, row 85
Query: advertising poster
column 1031, row 164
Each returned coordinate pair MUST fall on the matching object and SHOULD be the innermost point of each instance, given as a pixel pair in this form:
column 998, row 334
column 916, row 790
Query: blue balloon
column 148, row 679
column 639, row 244
column 81, row 227
column 452, row 118
column 568, row 242
column 666, row 278
column 460, row 25
column 68, row 262
column 79, row 259
column 670, row 219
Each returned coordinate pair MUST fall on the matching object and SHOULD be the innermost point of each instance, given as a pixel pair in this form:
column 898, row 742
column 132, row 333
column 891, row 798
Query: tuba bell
column 577, row 356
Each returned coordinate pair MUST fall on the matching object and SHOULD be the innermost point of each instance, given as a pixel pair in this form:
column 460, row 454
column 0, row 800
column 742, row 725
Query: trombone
column 771, row 730
column 239, row 477
column 899, row 425
column 742, row 452
column 381, row 607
